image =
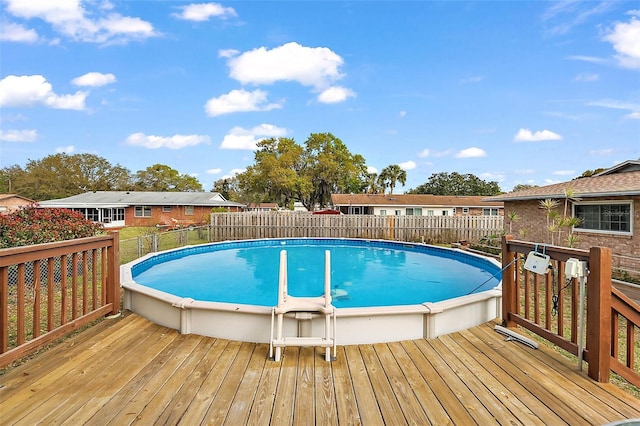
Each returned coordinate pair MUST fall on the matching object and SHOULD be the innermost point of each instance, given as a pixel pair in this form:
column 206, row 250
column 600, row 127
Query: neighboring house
column 607, row 204
column 131, row 208
column 12, row 202
column 415, row 205
column 262, row 207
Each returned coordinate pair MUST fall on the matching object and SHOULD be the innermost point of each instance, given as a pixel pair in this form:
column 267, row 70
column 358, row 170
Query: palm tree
column 549, row 206
column 391, row 175
column 373, row 184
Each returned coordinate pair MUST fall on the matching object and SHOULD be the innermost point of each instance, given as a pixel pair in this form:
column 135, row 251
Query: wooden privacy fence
column 48, row 290
column 431, row 229
column 548, row 305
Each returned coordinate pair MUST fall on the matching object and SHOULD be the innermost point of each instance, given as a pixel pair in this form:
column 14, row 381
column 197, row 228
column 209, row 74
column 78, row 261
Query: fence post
column 113, row 273
column 509, row 302
column 599, row 314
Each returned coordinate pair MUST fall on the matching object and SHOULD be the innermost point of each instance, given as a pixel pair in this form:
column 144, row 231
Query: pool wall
column 354, row 325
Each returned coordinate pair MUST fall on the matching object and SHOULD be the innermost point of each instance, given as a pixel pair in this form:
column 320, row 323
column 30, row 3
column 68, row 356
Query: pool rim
column 161, row 301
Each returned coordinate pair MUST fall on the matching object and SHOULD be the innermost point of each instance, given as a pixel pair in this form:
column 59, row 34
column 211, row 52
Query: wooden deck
column 129, row 370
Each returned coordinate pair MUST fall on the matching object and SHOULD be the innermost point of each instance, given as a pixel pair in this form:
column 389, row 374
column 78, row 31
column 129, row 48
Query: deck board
column 130, row 371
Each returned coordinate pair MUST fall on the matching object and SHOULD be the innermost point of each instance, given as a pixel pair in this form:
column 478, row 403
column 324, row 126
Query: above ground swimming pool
column 227, row 289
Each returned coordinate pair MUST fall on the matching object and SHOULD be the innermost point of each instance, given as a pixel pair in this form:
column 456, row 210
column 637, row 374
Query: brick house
column 607, row 204
column 132, row 208
column 416, row 205
column 12, row 202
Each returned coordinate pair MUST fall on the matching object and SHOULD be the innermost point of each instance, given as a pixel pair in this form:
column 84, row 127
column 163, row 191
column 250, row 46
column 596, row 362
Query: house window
column 398, row 212
column 118, row 214
column 142, row 211
column 188, row 210
column 430, row 213
column 92, row 214
column 465, row 210
column 615, row 217
column 383, row 212
column 166, row 209
column 414, row 211
column 489, row 212
column 445, row 213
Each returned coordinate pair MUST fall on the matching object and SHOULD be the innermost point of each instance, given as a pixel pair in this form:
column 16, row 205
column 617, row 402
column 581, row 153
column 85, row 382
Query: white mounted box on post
column 537, row 262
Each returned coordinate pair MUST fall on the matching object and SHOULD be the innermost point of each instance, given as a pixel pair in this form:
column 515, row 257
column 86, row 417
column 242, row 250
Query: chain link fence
column 133, row 248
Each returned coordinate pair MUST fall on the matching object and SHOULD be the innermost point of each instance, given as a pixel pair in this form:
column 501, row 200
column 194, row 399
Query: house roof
column 129, row 198
column 9, row 196
column 412, row 200
column 618, row 181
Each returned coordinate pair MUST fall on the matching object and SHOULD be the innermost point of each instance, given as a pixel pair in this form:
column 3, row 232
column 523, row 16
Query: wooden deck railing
column 548, row 305
column 49, row 290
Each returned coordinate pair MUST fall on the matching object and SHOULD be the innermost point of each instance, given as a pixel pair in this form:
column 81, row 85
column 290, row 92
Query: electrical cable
column 493, row 276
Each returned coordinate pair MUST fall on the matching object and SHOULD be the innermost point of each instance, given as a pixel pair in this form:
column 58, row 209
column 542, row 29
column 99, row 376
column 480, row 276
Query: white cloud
column 94, row 79
column 600, row 152
column 402, row 113
column 472, row 152
column 171, row 142
column 371, row 169
column 213, row 171
column 526, row 135
column 203, row 11
column 634, row 109
column 497, row 177
column 18, row 135
column 562, row 16
column 591, row 59
column 86, row 21
column 30, row 90
column 424, row 153
column 625, row 38
column 17, row 33
column 240, row 138
column 227, row 53
column 586, row 77
column 232, row 173
column 564, row 172
column 239, row 101
column 473, row 79
column 317, row 67
column 408, row 165
column 335, row 94
column 65, row 149
column 524, row 171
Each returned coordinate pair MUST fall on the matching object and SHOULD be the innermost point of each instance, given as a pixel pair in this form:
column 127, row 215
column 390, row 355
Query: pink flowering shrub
column 31, row 225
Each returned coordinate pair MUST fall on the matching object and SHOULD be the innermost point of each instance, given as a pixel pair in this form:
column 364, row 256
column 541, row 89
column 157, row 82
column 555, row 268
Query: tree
column 522, row 187
column 62, row 175
column 373, row 184
column 285, row 172
column 456, row 184
column 228, row 188
column 331, row 168
column 160, row 177
column 392, row 174
column 589, row 173
column 275, row 175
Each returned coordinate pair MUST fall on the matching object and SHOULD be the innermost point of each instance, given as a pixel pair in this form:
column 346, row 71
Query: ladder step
column 303, row 341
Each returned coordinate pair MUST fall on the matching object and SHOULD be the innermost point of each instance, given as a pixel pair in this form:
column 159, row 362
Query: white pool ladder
column 306, row 305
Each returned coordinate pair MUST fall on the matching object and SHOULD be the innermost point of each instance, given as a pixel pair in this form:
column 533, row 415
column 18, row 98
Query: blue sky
column 512, row 91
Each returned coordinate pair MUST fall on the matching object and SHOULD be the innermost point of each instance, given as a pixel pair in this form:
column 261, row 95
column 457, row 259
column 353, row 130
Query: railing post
column 509, row 302
column 599, row 313
column 113, row 273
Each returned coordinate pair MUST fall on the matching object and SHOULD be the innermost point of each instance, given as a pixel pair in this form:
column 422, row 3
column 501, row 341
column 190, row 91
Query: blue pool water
column 363, row 273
